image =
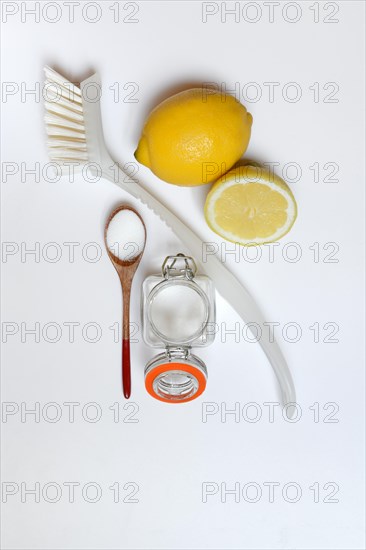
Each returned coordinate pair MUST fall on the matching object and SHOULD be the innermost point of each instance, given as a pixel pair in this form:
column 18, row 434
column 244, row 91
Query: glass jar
column 178, row 313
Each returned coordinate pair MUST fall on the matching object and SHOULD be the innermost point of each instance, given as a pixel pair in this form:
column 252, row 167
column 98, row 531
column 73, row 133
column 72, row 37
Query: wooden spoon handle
column 126, row 368
column 126, row 360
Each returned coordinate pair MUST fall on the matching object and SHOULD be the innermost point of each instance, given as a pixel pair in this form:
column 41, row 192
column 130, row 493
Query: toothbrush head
column 74, row 124
column 64, row 120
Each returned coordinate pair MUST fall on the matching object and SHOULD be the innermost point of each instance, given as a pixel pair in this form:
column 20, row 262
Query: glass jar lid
column 175, row 377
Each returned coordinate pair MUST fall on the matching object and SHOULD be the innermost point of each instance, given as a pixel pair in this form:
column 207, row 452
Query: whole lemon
column 194, row 137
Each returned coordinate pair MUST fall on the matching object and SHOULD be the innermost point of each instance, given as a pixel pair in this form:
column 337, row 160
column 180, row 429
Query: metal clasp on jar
column 170, row 267
column 177, row 353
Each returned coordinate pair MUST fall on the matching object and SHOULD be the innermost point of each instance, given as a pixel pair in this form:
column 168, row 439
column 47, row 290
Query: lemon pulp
column 247, row 210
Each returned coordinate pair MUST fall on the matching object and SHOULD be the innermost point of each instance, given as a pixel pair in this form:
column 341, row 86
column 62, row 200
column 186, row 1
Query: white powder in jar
column 178, row 312
column 126, row 235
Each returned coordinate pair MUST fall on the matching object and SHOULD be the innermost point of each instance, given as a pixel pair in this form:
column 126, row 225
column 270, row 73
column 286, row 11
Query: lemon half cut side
column 250, row 206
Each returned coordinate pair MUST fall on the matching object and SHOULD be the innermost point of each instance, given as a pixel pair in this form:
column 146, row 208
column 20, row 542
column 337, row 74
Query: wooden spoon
column 126, row 270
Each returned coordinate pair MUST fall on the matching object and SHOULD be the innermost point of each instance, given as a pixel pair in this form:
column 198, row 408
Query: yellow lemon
column 250, row 205
column 194, row 137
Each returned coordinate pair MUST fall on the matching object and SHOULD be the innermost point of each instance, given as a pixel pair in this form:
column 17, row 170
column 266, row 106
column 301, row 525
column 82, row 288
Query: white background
column 170, row 452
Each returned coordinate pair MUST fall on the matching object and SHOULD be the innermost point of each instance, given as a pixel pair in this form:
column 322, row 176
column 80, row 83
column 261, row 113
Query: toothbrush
column 75, row 134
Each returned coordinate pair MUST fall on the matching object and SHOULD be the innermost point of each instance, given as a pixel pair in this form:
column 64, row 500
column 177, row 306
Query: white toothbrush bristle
column 64, row 118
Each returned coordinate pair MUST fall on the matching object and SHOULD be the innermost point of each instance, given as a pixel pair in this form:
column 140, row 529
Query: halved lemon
column 250, row 205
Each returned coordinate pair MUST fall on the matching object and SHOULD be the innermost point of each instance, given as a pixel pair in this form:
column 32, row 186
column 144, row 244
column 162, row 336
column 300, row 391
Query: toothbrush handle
column 226, row 283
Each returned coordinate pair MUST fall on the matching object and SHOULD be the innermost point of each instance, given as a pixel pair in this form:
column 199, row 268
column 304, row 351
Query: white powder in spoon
column 126, row 235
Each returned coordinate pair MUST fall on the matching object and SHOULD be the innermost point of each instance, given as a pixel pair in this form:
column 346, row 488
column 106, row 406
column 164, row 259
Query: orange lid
column 161, row 368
